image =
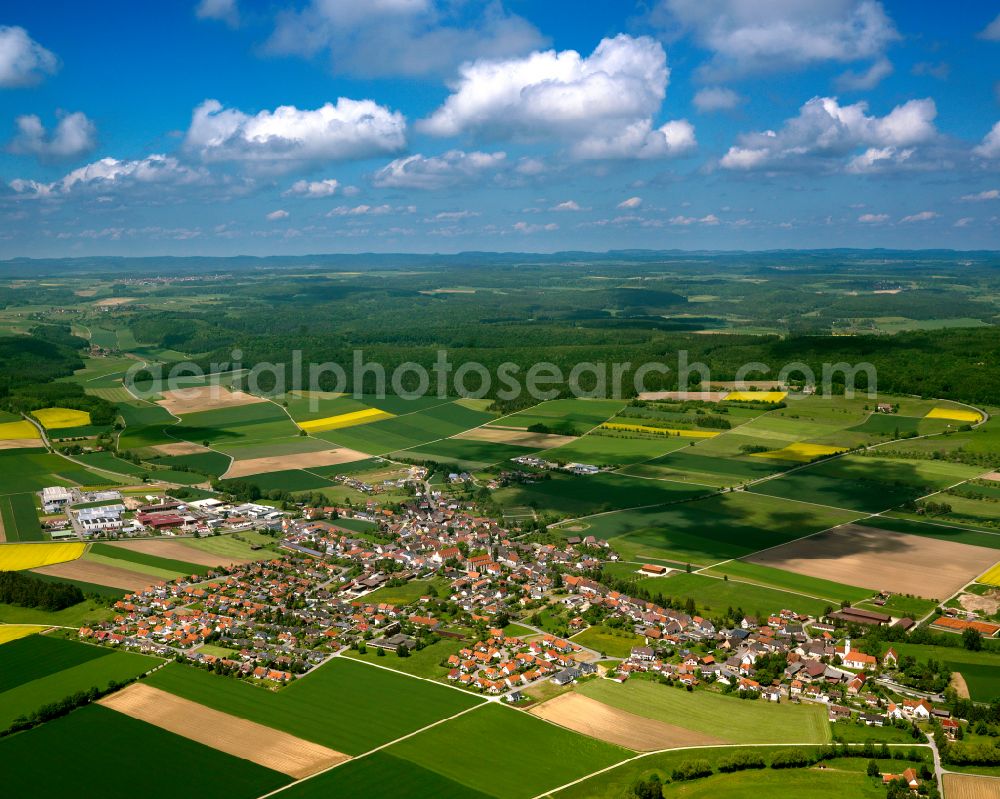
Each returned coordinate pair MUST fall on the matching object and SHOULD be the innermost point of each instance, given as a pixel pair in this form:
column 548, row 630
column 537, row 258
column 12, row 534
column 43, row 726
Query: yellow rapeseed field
column 54, row 418
column 11, row 632
column 992, row 577
column 344, row 420
column 955, row 414
column 801, row 452
column 756, row 396
column 17, row 557
column 666, row 431
column 22, row 429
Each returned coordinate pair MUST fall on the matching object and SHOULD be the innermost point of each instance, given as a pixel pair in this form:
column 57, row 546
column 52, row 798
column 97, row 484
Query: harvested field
column 994, row 476
column 988, row 604
column 704, row 396
column 859, row 555
column 519, row 438
column 177, row 550
column 959, row 684
column 205, row 398
column 265, row 746
column 590, row 717
column 103, row 574
column 110, row 302
column 19, row 443
column 302, row 460
column 971, row 786
column 180, row 448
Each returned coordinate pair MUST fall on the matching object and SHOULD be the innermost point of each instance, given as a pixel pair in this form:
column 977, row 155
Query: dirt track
column 101, row 574
column 882, row 560
column 265, row 746
column 205, row 398
column 590, row 717
column 301, row 460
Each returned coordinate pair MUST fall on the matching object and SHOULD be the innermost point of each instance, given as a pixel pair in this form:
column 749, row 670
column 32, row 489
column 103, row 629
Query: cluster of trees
column 26, row 591
column 64, row 706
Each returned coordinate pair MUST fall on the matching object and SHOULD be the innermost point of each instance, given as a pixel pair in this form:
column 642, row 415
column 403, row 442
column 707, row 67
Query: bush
column 740, row 761
column 791, row 758
column 692, row 770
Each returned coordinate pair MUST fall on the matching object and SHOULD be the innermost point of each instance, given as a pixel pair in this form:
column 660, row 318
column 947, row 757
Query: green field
column 902, row 523
column 572, row 416
column 97, row 672
column 382, row 774
column 576, row 495
column 725, row 717
column 20, row 518
column 408, row 592
column 380, row 705
column 710, row 530
column 26, row 470
column 26, row 761
column 132, row 557
column 866, row 483
column 74, row 616
column 688, row 464
column 614, row 643
column 840, row 778
column 424, row 662
column 212, row 463
column 608, row 448
column 713, row 596
column 255, row 422
column 790, row 581
column 229, row 546
column 467, row 454
column 980, row 669
column 107, row 460
column 526, row 749
column 37, row 656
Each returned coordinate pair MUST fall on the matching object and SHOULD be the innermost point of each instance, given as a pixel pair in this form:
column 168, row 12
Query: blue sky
column 223, row 127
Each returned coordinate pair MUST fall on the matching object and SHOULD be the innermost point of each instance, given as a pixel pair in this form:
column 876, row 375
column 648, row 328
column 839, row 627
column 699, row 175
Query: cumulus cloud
column 452, row 168
column 825, row 132
column 965, row 221
column 74, row 135
column 631, row 202
column 873, row 219
column 289, row 137
column 312, row 189
column 601, row 105
column 766, row 37
column 716, row 98
column 710, row 219
column 990, row 146
column 274, row 216
column 371, row 210
column 455, row 216
column 852, row 81
column 388, row 38
column 111, row 173
column 922, row 216
column 223, row 10
column 528, row 227
column 568, row 205
column 988, row 194
column 23, row 61
column 992, row 31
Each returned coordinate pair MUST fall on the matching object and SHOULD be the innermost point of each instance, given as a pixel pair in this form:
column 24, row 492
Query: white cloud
column 631, row 202
column 873, row 219
column 988, row 194
column 371, row 210
column 451, row 168
column 965, row 221
column 312, row 189
column 990, row 146
column 710, row 219
column 223, row 10
column 825, row 130
column 602, row 105
column 568, row 205
column 527, row 227
column 716, row 98
column 23, row 61
column 274, row 216
column 455, row 216
column 852, row 81
column 385, row 38
column 992, row 31
column 780, row 34
column 110, row 173
column 74, row 135
column 922, row 216
column 289, row 137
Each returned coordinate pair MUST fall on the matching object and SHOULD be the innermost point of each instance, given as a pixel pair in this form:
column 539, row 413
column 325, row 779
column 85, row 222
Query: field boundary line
column 882, row 515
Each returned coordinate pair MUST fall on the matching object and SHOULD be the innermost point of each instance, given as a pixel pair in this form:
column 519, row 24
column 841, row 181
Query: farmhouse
column 851, row 615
